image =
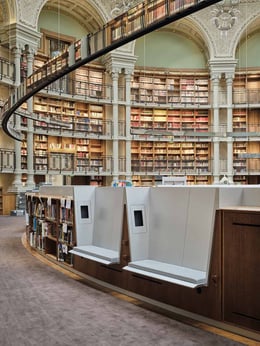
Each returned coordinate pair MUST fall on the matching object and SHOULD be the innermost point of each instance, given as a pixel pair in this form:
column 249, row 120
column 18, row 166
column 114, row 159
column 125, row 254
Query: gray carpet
column 42, row 306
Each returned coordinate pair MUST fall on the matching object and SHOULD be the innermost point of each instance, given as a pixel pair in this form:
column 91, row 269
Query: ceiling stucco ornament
column 119, row 6
column 225, row 14
column 28, row 14
column 218, row 45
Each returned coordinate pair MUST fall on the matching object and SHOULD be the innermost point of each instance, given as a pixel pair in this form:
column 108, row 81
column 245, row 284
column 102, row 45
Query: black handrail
column 142, row 19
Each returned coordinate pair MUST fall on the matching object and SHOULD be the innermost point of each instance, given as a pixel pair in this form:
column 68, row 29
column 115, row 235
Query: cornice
column 20, row 36
column 119, row 60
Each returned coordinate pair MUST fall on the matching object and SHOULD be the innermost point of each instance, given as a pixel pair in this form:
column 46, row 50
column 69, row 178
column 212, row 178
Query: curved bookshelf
column 136, row 22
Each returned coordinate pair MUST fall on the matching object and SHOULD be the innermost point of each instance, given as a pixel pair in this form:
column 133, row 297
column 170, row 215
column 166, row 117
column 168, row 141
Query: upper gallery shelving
column 136, row 22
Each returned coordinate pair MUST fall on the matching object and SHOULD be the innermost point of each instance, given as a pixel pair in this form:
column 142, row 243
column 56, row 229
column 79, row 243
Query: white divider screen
column 168, row 217
column 137, row 199
column 251, row 196
column 84, row 197
column 109, row 208
column 230, row 196
column 200, row 227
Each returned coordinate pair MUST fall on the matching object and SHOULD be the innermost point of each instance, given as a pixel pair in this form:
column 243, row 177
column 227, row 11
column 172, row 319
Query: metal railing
column 142, row 19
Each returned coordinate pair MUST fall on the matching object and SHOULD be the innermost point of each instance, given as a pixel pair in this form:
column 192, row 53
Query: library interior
column 130, row 145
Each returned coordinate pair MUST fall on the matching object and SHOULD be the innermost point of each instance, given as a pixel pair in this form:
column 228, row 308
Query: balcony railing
column 7, row 71
column 7, row 160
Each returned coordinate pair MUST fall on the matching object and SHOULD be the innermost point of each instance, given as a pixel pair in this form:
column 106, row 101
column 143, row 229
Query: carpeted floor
column 42, row 306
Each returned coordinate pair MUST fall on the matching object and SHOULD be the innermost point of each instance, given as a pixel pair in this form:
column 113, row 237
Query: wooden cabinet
column 241, row 270
column 7, row 202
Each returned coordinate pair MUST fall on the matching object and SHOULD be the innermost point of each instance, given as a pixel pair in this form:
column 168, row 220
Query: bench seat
column 95, row 253
column 169, row 272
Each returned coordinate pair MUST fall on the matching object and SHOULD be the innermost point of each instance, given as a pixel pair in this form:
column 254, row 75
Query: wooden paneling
column 241, row 269
column 9, row 201
column 205, row 300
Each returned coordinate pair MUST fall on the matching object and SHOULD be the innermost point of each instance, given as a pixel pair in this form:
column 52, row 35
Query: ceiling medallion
column 225, row 14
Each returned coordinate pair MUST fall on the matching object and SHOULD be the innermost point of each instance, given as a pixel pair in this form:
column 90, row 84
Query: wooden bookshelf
column 253, row 160
column 66, row 233
column 240, row 120
column 51, row 225
column 189, row 158
column 24, row 154
column 40, row 152
column 89, row 81
column 246, row 87
column 239, row 162
column 253, row 120
column 170, row 119
column 161, row 87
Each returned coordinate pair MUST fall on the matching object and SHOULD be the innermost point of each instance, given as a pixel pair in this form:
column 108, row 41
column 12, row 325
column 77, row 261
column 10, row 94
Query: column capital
column 30, row 52
column 215, row 76
column 17, row 51
column 128, row 72
column 229, row 77
column 115, row 73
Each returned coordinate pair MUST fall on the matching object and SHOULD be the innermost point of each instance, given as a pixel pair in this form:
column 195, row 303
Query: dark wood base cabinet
column 241, row 268
column 205, row 301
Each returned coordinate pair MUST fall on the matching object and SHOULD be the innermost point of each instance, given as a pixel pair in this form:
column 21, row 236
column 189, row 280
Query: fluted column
column 229, row 83
column 115, row 76
column 17, row 183
column 30, row 129
column 128, row 123
column 216, row 141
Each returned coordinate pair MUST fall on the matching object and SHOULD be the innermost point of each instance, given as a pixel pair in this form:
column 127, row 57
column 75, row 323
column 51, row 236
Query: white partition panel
column 230, row 196
column 202, row 207
column 109, row 209
column 84, row 199
column 168, row 217
column 251, row 196
column 180, row 231
column 137, row 199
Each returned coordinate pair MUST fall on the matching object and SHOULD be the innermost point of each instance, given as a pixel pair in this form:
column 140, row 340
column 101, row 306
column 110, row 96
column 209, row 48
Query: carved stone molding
column 119, row 6
column 28, row 14
column 225, row 14
column 224, row 46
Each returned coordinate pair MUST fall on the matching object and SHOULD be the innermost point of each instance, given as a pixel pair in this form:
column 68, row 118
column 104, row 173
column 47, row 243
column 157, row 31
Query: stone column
column 128, row 123
column 17, row 183
column 229, row 83
column 30, row 129
column 216, row 140
column 115, row 76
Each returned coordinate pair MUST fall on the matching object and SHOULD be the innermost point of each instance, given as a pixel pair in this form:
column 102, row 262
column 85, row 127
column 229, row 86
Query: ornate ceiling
column 91, row 14
column 205, row 27
column 81, row 10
